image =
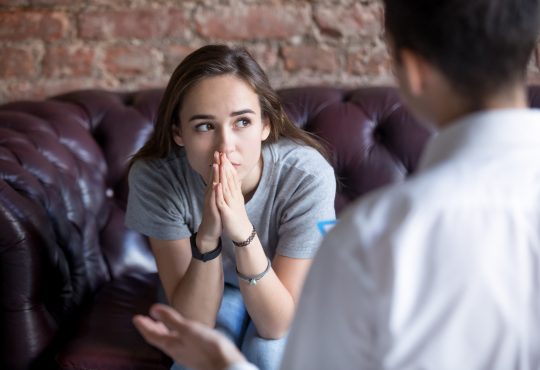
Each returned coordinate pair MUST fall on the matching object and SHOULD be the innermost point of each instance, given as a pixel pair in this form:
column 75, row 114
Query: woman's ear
column 177, row 135
column 266, row 129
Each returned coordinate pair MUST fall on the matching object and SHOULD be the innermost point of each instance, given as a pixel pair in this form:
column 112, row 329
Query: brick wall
column 51, row 46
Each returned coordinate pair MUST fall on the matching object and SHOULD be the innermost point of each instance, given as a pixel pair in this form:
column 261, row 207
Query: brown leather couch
column 71, row 274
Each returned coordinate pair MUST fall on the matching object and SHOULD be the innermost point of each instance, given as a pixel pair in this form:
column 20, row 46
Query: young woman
column 229, row 193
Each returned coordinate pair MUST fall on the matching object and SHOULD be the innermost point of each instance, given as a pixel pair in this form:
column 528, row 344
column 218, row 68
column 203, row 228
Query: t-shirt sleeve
column 154, row 206
column 310, row 204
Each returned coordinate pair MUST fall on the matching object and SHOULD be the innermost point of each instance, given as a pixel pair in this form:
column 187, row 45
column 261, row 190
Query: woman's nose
column 225, row 142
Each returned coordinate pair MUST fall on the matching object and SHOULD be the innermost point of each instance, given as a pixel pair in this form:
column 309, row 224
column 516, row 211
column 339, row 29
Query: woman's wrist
column 206, row 256
column 243, row 232
column 206, row 244
column 245, row 242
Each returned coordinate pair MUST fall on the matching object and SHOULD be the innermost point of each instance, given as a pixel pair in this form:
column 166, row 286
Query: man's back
column 441, row 272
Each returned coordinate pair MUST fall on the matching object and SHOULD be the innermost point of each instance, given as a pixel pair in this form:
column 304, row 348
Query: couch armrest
column 27, row 320
column 50, row 195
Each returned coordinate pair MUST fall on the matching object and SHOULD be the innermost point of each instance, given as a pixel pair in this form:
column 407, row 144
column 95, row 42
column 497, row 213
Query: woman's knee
column 265, row 353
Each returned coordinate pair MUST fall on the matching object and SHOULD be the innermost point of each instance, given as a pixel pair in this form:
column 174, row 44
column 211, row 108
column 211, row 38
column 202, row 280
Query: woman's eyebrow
column 201, row 116
column 240, row 112
column 209, row 116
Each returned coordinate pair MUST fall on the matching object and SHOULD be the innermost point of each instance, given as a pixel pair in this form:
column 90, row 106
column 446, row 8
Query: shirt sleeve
column 154, row 206
column 311, row 203
column 335, row 323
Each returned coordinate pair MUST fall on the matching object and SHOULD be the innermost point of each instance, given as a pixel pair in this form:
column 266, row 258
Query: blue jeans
column 233, row 321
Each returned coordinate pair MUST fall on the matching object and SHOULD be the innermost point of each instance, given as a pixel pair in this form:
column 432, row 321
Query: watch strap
column 205, row 257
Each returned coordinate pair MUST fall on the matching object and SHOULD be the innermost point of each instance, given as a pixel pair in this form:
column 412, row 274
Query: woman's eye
column 242, row 122
column 203, row 127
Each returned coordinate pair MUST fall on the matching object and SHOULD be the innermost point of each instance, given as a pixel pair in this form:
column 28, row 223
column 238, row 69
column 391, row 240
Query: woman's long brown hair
column 210, row 61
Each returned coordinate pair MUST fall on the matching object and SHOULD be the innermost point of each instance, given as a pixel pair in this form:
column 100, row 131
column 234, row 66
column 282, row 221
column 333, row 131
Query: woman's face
column 223, row 114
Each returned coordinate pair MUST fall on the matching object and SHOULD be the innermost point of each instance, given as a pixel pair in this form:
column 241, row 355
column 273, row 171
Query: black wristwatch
column 196, row 253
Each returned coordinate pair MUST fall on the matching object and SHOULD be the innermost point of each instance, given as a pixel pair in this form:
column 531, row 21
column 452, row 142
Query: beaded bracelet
column 252, row 280
column 247, row 241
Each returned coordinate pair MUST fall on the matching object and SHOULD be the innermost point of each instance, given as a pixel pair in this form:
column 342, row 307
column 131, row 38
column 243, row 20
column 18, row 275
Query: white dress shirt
column 440, row 272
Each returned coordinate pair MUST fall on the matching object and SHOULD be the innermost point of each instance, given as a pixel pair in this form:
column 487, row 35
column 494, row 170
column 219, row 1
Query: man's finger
column 174, row 321
column 171, row 318
column 153, row 332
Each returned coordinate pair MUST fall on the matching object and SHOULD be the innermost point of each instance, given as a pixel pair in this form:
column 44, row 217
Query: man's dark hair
column 479, row 45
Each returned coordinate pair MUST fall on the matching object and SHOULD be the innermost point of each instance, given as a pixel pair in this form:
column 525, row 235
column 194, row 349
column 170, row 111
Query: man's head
column 480, row 47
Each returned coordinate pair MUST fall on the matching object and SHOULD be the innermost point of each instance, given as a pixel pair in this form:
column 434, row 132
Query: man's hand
column 188, row 342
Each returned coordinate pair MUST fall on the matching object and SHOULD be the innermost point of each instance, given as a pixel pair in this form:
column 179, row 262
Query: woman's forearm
column 268, row 302
column 198, row 295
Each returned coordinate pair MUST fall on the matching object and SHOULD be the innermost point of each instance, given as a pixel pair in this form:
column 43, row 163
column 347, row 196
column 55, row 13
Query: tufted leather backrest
column 63, row 190
column 372, row 138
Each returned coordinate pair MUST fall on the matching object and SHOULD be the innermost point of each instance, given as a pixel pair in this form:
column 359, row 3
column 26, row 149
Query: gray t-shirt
column 295, row 193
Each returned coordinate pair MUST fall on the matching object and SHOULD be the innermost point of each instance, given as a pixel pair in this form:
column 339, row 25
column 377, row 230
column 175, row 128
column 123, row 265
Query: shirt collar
column 498, row 130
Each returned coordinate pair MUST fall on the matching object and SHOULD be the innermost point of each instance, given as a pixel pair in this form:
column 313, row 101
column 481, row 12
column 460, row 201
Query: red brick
column 128, row 61
column 22, row 25
column 533, row 77
column 138, row 24
column 53, row 2
column 252, row 22
column 17, row 62
column 533, row 68
column 41, row 89
column 309, row 57
column 178, row 23
column 68, row 61
column 266, row 56
column 174, row 54
column 374, row 61
column 13, row 2
column 360, row 20
column 156, row 82
column 117, row 4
